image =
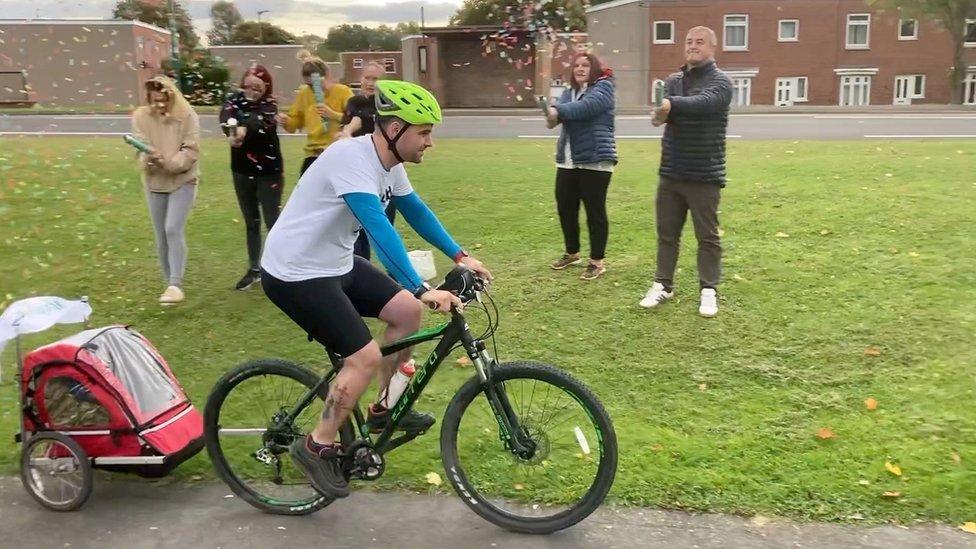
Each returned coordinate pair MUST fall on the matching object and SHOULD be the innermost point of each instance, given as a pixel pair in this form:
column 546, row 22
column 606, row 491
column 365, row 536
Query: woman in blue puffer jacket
column 586, row 155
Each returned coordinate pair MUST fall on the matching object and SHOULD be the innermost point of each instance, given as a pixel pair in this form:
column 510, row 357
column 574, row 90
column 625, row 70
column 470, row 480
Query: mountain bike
column 525, row 445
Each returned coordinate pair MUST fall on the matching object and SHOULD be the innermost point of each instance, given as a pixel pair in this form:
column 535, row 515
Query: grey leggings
column 169, row 212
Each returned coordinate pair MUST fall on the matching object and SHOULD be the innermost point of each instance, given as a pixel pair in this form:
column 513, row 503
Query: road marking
column 927, row 136
column 617, row 136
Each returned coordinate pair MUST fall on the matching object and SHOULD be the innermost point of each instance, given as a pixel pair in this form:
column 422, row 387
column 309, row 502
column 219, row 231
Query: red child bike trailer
column 102, row 398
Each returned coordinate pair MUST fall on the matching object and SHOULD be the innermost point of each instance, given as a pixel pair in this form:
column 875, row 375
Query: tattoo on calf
column 337, row 401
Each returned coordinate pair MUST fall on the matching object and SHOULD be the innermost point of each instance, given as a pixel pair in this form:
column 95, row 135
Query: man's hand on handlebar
column 440, row 300
column 478, row 268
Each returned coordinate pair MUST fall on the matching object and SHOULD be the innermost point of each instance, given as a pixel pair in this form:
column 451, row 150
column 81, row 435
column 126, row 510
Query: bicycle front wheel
column 574, row 457
column 248, row 439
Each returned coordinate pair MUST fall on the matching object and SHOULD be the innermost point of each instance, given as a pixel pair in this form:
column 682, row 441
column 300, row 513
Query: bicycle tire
column 227, row 383
column 481, row 503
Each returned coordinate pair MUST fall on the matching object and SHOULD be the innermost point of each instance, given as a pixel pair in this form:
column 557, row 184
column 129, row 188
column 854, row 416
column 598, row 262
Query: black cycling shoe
column 249, row 279
column 321, row 465
column 412, row 422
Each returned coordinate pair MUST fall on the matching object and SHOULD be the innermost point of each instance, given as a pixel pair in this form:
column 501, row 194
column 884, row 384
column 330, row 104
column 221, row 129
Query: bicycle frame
column 450, row 333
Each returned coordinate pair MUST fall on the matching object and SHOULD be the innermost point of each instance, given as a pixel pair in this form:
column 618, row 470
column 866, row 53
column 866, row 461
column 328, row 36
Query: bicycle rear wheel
column 248, row 441
column 575, row 450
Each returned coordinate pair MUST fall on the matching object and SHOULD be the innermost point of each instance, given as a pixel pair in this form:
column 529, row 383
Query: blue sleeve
column 390, row 249
column 598, row 99
column 423, row 220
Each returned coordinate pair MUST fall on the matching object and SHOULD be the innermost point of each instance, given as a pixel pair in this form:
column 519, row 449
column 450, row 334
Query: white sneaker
column 171, row 296
column 656, row 296
column 709, row 303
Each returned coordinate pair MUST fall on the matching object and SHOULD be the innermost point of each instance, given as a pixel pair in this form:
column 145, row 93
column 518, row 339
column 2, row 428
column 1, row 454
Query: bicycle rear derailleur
column 363, row 461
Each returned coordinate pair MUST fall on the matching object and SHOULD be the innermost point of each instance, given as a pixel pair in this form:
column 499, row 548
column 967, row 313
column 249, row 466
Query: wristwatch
column 424, row 288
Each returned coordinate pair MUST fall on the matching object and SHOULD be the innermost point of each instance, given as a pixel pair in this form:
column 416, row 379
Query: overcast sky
column 295, row 16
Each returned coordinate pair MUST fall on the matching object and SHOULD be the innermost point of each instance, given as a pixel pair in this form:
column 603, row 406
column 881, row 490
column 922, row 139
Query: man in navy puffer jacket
column 692, row 172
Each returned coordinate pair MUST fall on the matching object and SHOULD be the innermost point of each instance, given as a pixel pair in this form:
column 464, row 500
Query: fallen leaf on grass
column 892, row 495
column 657, row 448
column 870, row 403
column 824, row 433
column 519, row 486
column 782, row 235
column 433, row 478
column 864, row 482
column 872, row 351
column 893, row 469
column 956, row 458
column 824, row 232
column 464, row 361
column 969, row 527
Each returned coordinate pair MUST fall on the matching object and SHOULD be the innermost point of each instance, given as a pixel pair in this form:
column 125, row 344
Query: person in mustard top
column 321, row 119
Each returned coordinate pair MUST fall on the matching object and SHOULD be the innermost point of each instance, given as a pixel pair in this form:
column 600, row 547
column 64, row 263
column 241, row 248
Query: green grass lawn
column 849, row 274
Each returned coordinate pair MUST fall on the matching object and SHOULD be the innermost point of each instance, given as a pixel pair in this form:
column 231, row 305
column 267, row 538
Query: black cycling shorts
column 330, row 309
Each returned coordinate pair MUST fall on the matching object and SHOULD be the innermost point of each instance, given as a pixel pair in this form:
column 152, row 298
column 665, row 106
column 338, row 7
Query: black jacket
column 693, row 148
column 260, row 154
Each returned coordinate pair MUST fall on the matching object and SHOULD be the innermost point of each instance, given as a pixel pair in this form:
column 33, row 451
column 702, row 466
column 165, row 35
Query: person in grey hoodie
column 586, row 155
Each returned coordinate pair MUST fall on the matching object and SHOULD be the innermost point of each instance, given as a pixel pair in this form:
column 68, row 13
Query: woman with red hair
column 249, row 121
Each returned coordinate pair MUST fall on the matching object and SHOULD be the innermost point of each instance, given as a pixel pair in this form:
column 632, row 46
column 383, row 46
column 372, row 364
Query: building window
column 741, row 92
column 908, row 87
column 855, row 90
column 357, row 63
column 789, row 30
column 971, row 33
column 736, row 33
column 422, row 59
column 969, row 89
column 858, row 31
column 908, row 29
column 664, row 32
column 389, row 65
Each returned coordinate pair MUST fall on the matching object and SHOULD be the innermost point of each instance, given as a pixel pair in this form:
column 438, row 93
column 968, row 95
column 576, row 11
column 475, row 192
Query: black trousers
column 258, row 196
column 361, row 247
column 590, row 188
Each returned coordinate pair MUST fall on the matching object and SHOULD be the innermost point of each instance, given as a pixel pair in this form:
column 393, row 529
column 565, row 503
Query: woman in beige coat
column 170, row 174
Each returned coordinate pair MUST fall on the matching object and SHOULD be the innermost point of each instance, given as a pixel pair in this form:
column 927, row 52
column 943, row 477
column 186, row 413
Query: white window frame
column 779, row 31
column 796, row 98
column 386, row 63
column 847, row 32
column 844, row 78
column 357, row 63
column 725, row 34
column 966, row 31
column 915, row 28
column 662, row 40
column 969, row 88
column 745, row 87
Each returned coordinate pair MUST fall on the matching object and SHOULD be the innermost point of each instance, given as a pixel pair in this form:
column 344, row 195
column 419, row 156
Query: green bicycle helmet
column 407, row 101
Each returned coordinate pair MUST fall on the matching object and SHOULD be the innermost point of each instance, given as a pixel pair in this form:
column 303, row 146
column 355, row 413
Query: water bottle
column 398, row 383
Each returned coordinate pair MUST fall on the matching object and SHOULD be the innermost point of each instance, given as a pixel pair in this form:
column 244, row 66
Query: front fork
column 510, row 430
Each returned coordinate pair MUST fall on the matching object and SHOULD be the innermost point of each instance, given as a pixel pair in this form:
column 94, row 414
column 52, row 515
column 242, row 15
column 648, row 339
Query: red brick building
column 353, row 63
column 787, row 52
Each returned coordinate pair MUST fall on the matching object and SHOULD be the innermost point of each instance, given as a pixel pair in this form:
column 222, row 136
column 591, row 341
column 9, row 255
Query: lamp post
column 175, row 46
column 260, row 28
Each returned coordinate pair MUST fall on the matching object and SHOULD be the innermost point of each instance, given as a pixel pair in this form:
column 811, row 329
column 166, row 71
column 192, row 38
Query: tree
column 951, row 15
column 554, row 15
column 225, row 19
column 359, row 38
column 203, row 77
column 156, row 12
column 249, row 32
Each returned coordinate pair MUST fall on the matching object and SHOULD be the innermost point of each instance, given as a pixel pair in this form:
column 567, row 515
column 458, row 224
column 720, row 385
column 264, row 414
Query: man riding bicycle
column 310, row 272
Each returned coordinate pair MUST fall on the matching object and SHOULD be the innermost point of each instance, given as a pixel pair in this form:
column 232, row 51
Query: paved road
column 800, row 126
column 133, row 514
